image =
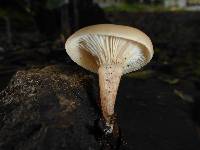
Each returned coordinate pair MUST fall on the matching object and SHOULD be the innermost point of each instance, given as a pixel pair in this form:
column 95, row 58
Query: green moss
column 141, row 74
column 168, row 79
column 124, row 7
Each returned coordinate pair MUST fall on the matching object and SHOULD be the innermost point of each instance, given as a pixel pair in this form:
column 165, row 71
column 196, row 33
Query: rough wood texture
column 47, row 109
column 55, row 108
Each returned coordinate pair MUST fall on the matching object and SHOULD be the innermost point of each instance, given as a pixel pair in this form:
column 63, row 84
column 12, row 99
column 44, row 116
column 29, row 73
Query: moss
column 124, row 7
column 169, row 79
column 141, row 74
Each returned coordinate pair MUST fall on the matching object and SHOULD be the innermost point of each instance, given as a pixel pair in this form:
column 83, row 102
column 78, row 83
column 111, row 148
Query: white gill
column 114, row 50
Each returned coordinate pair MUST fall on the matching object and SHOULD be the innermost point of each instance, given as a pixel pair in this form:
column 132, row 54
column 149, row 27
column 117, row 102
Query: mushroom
column 111, row 51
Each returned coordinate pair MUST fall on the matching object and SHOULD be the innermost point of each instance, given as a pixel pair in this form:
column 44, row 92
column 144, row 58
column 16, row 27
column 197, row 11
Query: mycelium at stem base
column 109, row 78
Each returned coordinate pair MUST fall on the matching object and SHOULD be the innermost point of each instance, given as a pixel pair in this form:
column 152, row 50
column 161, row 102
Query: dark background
column 158, row 107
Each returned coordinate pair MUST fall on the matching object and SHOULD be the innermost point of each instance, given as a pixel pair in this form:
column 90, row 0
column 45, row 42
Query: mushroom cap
column 104, row 44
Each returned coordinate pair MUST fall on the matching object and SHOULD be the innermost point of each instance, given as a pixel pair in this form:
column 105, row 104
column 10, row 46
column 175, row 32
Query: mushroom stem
column 109, row 78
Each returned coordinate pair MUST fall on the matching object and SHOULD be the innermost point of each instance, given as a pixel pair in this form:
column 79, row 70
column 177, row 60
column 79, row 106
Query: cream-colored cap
column 105, row 44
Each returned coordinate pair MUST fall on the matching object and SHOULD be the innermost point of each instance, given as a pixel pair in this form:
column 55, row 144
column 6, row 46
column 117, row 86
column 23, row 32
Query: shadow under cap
column 83, row 56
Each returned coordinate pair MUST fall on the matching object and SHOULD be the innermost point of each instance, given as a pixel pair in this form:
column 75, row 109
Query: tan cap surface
column 87, row 60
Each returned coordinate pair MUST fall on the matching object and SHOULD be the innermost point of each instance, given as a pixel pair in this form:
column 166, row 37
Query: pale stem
column 109, row 78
